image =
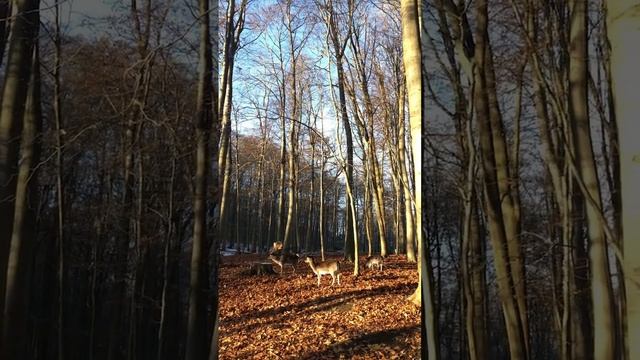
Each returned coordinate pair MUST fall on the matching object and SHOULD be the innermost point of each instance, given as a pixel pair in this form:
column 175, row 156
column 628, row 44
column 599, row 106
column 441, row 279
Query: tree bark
column 623, row 22
column 412, row 59
column 14, row 94
column 496, row 222
column 601, row 290
column 24, row 231
column 197, row 346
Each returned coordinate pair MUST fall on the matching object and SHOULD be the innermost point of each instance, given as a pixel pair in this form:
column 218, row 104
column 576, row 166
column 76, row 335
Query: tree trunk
column 197, row 326
column 623, row 22
column 14, row 94
column 283, row 167
column 601, row 290
column 24, row 232
column 338, row 45
column 406, row 187
column 508, row 297
column 322, row 165
column 411, row 55
column 57, row 110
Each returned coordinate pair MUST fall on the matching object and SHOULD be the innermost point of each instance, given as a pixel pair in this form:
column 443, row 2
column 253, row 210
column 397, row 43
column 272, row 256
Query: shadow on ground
column 324, row 303
column 360, row 345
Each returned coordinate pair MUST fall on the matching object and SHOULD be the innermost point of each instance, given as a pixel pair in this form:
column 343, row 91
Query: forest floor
column 288, row 317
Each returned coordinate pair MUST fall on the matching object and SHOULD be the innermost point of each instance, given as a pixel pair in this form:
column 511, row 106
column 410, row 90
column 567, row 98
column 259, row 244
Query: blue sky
column 250, row 60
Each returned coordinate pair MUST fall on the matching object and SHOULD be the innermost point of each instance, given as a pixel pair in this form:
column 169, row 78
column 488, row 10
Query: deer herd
column 329, row 267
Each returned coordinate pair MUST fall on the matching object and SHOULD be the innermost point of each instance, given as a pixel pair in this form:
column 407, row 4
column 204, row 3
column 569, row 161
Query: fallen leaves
column 289, row 317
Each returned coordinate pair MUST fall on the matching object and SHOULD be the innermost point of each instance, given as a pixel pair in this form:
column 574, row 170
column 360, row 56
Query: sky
column 76, row 13
column 73, row 12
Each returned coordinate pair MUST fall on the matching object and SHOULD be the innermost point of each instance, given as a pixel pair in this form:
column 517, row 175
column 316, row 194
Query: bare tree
column 198, row 328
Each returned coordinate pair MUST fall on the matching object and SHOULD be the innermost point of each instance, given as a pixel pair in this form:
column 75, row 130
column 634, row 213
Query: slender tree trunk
column 224, row 159
column 623, row 22
column 237, row 197
column 166, row 266
column 376, row 194
column 322, row 167
column 197, row 325
column 261, row 180
column 14, row 95
column 352, row 205
column 473, row 260
column 291, row 226
column 499, row 239
column 24, row 232
column 224, row 200
column 615, row 186
column 310, row 213
column 601, row 289
column 406, row 187
column 412, row 55
column 509, row 199
column 57, row 110
column 366, row 213
column 350, row 218
column 283, row 166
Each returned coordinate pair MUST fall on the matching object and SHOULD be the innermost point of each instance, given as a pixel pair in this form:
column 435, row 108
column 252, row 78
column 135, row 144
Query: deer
column 325, row 268
column 285, row 259
column 375, row 260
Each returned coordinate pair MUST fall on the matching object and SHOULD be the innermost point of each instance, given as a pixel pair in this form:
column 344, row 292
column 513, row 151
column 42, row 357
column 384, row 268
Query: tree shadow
column 358, row 344
column 310, row 306
column 380, row 276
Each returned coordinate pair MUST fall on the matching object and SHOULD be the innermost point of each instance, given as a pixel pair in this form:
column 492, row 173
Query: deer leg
column 333, row 279
column 339, row 279
column 318, row 280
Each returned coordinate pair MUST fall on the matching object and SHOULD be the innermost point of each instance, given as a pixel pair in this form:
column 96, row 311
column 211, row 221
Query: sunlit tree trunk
column 496, row 222
column 283, row 165
column 261, row 181
column 601, row 289
column 365, row 128
column 338, row 44
column 406, row 186
column 623, row 21
column 14, row 95
column 612, row 160
column 236, row 223
column 233, row 30
column 23, row 237
column 322, row 166
column 291, row 223
column 412, row 59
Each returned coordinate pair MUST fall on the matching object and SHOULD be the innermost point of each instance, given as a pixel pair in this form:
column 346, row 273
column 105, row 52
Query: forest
column 175, row 175
column 319, row 179
column 530, row 203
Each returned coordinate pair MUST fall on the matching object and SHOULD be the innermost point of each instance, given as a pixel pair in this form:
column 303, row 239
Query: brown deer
column 285, row 259
column 375, row 260
column 324, row 268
